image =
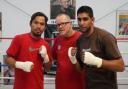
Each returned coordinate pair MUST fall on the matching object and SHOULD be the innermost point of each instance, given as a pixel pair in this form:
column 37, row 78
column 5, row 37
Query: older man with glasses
column 67, row 77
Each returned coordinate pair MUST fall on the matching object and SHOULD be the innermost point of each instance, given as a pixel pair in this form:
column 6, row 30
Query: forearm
column 44, row 54
column 114, row 65
column 47, row 66
column 26, row 66
column 78, row 67
column 10, row 61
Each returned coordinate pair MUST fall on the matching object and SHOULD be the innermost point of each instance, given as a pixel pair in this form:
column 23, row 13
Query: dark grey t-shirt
column 104, row 45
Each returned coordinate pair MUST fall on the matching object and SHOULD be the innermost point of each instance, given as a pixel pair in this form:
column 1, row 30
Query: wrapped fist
column 72, row 55
column 43, row 53
column 25, row 66
column 91, row 59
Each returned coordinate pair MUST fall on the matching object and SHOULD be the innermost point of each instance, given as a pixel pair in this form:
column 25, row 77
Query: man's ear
column 46, row 26
column 93, row 19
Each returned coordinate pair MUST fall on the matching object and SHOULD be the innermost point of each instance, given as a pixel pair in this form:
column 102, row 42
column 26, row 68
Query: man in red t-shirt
column 28, row 53
column 67, row 77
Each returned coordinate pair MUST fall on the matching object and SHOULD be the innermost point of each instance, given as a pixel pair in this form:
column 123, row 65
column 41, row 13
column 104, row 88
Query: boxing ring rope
column 13, row 78
column 50, row 78
column 9, row 38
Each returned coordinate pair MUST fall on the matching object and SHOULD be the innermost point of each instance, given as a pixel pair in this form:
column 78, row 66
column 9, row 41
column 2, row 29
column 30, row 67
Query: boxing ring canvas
column 122, row 25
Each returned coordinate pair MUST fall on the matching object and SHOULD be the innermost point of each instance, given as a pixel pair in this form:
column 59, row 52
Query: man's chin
column 61, row 34
column 37, row 35
column 84, row 30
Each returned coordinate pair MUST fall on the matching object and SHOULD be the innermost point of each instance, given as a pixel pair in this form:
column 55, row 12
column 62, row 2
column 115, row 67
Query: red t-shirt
column 67, row 77
column 25, row 48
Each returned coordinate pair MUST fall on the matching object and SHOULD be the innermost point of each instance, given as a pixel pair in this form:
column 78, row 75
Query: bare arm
column 114, row 65
column 46, row 55
column 78, row 67
column 10, row 61
column 47, row 66
column 90, row 59
column 72, row 56
column 25, row 66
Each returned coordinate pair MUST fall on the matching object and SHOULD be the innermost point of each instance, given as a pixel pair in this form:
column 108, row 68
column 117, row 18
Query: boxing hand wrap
column 43, row 53
column 72, row 58
column 91, row 59
column 25, row 66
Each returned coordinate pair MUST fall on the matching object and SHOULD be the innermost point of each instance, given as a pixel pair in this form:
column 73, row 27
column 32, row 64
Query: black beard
column 36, row 35
column 87, row 30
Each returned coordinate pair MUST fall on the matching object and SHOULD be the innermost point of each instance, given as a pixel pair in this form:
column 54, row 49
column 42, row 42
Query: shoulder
column 103, row 33
column 105, row 36
column 20, row 36
column 78, row 32
column 57, row 38
column 43, row 41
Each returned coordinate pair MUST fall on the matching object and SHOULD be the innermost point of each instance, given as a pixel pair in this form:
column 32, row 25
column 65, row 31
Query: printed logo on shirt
column 86, row 50
column 32, row 49
column 59, row 47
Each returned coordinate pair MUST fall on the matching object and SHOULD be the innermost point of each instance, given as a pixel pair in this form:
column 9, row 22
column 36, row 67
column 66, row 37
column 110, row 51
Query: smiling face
column 64, row 26
column 38, row 26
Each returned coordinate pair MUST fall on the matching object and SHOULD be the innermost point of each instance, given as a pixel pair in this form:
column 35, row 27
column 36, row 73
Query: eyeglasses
column 84, row 19
column 62, row 24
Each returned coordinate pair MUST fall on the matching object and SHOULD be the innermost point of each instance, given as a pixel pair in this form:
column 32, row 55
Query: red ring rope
column 7, row 38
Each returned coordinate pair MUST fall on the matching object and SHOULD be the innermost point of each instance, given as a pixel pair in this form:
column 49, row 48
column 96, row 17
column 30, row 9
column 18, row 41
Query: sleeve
column 110, row 46
column 14, row 47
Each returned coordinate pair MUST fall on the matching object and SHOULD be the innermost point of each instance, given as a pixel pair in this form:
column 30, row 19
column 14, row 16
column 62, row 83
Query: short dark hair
column 85, row 9
column 38, row 14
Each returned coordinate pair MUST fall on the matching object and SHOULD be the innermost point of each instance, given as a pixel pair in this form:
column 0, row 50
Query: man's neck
column 70, row 33
column 90, row 32
column 35, row 37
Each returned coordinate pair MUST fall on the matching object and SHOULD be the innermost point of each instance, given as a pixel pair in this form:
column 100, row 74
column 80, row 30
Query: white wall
column 16, row 16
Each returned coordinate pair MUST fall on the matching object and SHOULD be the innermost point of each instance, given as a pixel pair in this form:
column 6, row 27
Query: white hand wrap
column 91, row 59
column 43, row 53
column 25, row 66
column 72, row 58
